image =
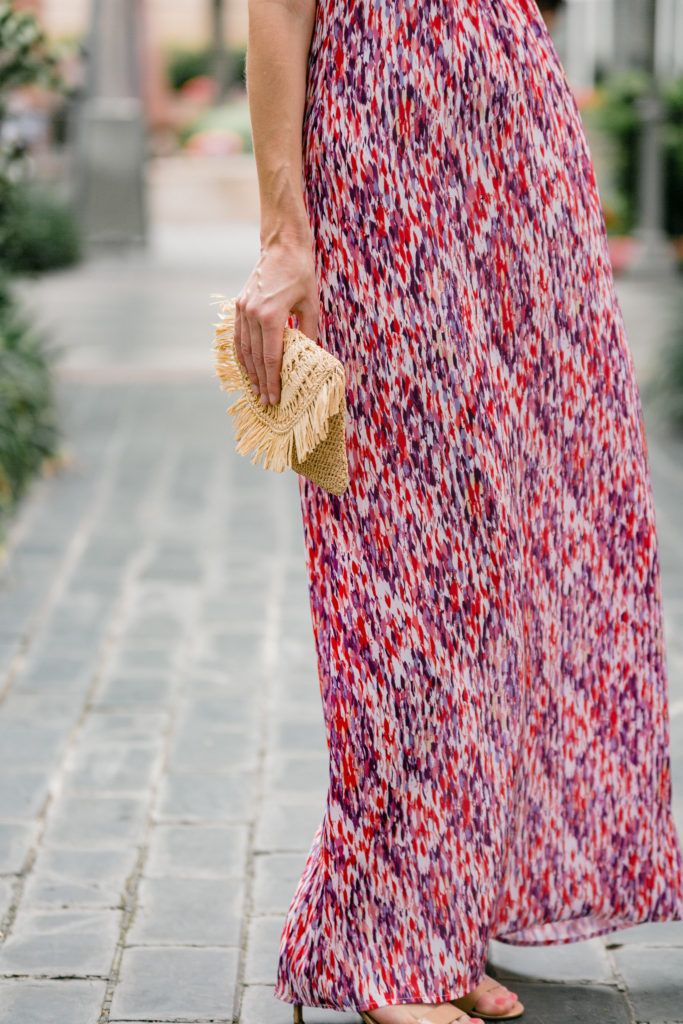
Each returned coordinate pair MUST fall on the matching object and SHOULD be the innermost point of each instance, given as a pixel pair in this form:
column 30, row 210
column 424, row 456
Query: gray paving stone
column 174, row 565
column 6, row 891
column 212, row 749
column 15, row 843
column 136, row 660
column 294, row 736
column 297, row 773
column 655, row 981
column 263, row 944
column 30, row 745
column 172, row 983
column 26, row 1001
column 135, row 690
column 571, row 1004
column 238, row 654
column 217, row 705
column 73, row 942
column 78, row 612
column 57, row 671
column 298, row 690
column 86, row 640
column 259, row 1005
column 59, row 709
column 52, row 895
column 153, row 631
column 197, row 851
column 288, row 825
column 22, row 794
column 129, row 727
column 62, row 877
column 115, row 767
column 276, row 876
column 93, row 822
column 188, row 912
column 652, row 933
column 198, row 796
column 585, row 960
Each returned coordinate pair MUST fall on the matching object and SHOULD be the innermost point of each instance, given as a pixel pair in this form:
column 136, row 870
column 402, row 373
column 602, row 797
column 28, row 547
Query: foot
column 491, row 997
column 410, row 1013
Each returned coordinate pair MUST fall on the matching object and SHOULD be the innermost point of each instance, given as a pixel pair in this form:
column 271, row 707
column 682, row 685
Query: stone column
column 222, row 68
column 111, row 143
column 657, row 257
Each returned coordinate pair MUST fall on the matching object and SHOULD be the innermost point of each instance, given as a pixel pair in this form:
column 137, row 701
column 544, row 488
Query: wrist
column 290, row 230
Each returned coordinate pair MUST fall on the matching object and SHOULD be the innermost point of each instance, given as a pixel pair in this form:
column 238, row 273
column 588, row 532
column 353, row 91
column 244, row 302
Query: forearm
column 280, row 33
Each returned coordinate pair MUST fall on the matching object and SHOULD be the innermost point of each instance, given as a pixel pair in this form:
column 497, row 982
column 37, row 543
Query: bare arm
column 283, row 280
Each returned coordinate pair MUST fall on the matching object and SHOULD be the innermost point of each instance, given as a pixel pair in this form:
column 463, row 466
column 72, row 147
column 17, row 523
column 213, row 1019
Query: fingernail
column 273, row 399
column 264, row 399
column 255, row 389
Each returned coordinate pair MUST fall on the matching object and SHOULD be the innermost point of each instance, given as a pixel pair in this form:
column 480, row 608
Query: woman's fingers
column 246, row 348
column 272, row 330
column 238, row 341
column 263, row 307
column 257, row 356
column 262, row 353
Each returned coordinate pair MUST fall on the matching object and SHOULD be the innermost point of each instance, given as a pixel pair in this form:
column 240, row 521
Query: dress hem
column 419, row 998
column 603, row 926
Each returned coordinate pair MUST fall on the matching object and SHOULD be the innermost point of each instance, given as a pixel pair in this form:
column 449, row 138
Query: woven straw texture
column 306, row 430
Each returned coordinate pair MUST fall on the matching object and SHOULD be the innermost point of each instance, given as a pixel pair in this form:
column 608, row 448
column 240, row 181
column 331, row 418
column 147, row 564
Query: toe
column 497, row 999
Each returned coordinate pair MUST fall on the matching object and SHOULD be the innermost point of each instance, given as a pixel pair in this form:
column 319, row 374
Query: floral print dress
column 485, row 596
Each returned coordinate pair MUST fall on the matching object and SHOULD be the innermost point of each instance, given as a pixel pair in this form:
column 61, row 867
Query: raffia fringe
column 312, row 389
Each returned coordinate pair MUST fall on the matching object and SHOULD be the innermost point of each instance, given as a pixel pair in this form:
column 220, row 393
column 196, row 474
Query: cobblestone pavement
column 161, row 738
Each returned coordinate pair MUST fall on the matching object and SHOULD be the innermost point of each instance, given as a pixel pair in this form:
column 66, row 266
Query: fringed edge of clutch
column 253, row 428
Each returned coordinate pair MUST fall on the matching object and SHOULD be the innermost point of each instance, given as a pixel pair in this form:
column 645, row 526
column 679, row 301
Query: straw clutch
column 305, row 431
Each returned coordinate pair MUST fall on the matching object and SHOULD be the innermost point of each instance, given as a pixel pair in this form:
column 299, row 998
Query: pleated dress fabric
column 485, row 597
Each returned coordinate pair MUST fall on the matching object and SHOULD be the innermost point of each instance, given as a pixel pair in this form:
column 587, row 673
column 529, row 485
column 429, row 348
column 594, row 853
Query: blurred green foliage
column 618, row 116
column 28, row 236
column 25, row 58
column 186, row 64
column 672, row 142
column 666, row 388
column 38, row 232
column 232, row 117
column 28, row 431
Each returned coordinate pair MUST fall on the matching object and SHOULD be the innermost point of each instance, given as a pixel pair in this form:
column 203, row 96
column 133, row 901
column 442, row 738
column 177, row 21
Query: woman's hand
column 282, row 282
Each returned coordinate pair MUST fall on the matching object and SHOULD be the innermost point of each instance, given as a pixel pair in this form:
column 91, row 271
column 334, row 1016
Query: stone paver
column 197, row 851
column 162, row 750
column 188, row 912
column 163, row 984
column 64, row 877
column 58, row 942
column 275, row 878
column 16, row 843
column 653, row 977
column 262, row 948
column 50, row 1002
column 575, row 961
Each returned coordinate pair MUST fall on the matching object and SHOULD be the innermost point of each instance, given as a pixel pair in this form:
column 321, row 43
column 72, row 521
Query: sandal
column 468, row 1002
column 441, row 1013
